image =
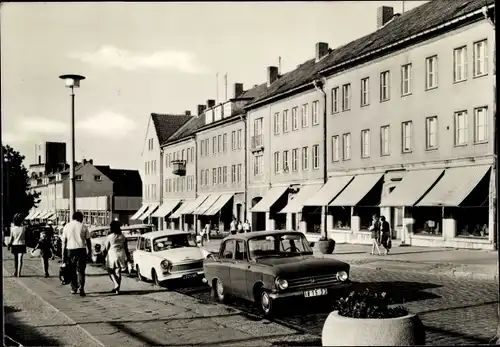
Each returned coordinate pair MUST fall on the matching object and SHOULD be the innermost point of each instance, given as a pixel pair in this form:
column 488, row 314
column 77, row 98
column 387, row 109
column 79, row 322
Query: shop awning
column 357, row 190
column 411, row 189
column 46, row 215
column 166, row 208
column 190, row 206
column 36, row 214
column 178, row 212
column 41, row 214
column 269, row 199
column 219, row 204
column 30, row 215
column 143, row 208
column 297, row 203
column 51, row 216
column 212, row 198
column 456, row 185
column 152, row 208
column 329, row 191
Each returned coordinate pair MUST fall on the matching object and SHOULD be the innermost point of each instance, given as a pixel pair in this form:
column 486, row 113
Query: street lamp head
column 72, row 81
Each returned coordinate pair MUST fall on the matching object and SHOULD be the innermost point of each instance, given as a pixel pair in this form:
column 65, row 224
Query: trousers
column 77, row 261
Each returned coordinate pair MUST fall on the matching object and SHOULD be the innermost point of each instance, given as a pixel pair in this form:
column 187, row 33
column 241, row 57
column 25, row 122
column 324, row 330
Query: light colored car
column 163, row 256
column 97, row 239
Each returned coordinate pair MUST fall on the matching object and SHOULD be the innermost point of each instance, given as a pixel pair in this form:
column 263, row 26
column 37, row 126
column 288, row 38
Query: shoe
column 15, row 274
column 82, row 293
column 73, row 291
column 47, row 276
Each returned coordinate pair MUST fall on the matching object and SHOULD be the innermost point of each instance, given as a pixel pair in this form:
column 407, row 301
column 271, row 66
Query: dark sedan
column 272, row 265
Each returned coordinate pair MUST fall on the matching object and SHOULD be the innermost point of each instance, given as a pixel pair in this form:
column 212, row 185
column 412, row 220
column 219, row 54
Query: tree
column 17, row 197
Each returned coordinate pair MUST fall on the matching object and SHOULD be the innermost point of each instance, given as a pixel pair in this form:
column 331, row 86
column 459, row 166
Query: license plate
column 315, row 292
column 188, row 276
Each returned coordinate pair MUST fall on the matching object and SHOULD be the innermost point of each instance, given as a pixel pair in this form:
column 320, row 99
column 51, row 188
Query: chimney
column 210, row 103
column 91, row 161
column 84, row 161
column 384, row 15
column 322, row 50
column 188, row 113
column 272, row 74
column 201, row 109
column 238, row 89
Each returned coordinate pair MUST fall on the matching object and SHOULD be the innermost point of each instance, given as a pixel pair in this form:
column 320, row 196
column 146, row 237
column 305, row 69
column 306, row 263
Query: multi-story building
column 398, row 123
column 102, row 194
column 49, row 157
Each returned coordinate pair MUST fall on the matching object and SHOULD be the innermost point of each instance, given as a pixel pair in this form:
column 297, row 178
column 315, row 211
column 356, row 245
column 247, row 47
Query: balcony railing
column 178, row 167
column 257, row 143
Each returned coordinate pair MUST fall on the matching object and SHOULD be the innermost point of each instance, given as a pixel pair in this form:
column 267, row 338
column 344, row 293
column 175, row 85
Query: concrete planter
column 346, row 331
column 326, row 246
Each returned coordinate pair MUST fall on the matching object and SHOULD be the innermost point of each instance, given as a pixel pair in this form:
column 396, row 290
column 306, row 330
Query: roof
column 159, row 233
column 125, row 182
column 189, row 128
column 253, row 234
column 415, row 21
column 167, row 124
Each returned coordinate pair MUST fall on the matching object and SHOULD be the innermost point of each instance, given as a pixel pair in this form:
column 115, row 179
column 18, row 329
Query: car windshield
column 283, row 245
column 173, row 241
column 134, row 232
column 98, row 233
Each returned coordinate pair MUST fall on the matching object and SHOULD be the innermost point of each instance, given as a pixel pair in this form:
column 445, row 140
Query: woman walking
column 375, row 229
column 385, row 228
column 117, row 256
column 17, row 243
column 47, row 250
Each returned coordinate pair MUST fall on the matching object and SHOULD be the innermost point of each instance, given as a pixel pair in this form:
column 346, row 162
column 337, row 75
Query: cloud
column 42, row 126
column 107, row 124
column 110, row 56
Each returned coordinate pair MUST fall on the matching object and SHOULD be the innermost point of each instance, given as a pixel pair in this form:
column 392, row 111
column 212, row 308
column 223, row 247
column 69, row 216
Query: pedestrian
column 47, row 250
column 385, row 229
column 17, row 243
column 118, row 256
column 239, row 227
column 205, row 233
column 76, row 249
column 247, row 227
column 232, row 226
column 375, row 229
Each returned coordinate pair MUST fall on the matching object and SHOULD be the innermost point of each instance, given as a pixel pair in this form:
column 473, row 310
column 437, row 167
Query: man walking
column 76, row 248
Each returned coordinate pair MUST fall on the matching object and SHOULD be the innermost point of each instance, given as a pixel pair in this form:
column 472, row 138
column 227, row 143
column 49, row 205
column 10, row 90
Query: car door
column 136, row 254
column 239, row 269
column 226, row 260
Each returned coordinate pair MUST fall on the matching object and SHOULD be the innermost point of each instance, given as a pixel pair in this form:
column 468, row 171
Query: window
column 346, row 146
column 431, row 80
column 285, row 161
column 224, row 142
column 385, row 85
column 315, row 114
column 233, row 173
column 98, row 177
column 460, row 64
column 214, row 145
column 276, row 162
column 406, row 136
column 219, row 173
column 238, row 172
column 431, row 132
column 335, row 148
column 335, row 100
column 365, row 143
column 183, row 154
column 224, row 174
column 346, row 97
column 285, row 121
column 214, row 177
column 276, row 123
column 233, row 140
column 295, row 120
column 206, row 176
column 480, row 58
column 406, row 78
column 257, row 168
column 304, row 116
column 219, row 143
column 365, row 90
column 461, row 137
column 239, row 138
column 305, row 158
column 295, row 153
column 385, row 140
column 257, row 127
column 480, row 124
column 188, row 155
column 79, row 177
column 202, row 178
column 207, row 145
column 316, row 157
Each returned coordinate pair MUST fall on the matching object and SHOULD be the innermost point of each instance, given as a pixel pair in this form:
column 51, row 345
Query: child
column 47, row 249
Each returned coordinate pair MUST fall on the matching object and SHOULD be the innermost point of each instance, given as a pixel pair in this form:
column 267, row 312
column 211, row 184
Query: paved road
column 455, row 311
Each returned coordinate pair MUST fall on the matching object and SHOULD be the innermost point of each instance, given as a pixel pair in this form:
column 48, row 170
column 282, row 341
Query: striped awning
column 212, row 198
column 140, row 212
column 219, row 204
column 166, row 208
column 357, row 190
column 329, row 191
column 297, row 203
column 269, row 199
column 152, row 208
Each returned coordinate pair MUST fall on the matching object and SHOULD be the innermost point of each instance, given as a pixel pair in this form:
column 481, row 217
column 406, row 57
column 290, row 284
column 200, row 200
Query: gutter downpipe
column 245, row 166
column 162, row 222
column 319, row 84
column 195, row 218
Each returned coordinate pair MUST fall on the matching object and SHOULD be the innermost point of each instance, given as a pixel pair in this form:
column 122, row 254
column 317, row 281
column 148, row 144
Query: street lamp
column 72, row 81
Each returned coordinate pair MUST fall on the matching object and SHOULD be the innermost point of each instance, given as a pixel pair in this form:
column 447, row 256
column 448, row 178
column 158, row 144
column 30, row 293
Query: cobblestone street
column 455, row 311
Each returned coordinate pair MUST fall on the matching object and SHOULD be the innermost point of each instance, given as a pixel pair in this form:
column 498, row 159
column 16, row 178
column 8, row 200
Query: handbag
column 389, row 244
column 36, row 253
column 64, row 275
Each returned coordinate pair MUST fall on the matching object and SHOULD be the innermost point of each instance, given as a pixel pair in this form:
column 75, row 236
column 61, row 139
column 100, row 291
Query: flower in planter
column 368, row 304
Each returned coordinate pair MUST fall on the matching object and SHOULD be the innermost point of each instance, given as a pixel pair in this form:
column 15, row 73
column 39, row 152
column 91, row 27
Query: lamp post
column 72, row 81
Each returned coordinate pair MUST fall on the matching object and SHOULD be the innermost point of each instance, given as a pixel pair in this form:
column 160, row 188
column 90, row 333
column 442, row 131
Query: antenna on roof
column 402, row 7
column 279, row 65
column 217, row 88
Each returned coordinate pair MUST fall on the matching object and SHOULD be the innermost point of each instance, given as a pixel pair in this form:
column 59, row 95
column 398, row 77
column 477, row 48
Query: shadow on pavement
column 471, row 339
column 401, row 292
column 128, row 292
column 25, row 334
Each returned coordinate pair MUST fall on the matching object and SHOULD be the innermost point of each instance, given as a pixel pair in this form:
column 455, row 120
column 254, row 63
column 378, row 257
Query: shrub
column 368, row 304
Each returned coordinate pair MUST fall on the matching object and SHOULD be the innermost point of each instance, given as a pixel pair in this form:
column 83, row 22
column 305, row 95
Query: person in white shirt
column 17, row 243
column 232, row 226
column 246, row 226
column 239, row 227
column 76, row 249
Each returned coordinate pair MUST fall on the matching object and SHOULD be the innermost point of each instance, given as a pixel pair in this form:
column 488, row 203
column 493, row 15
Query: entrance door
column 396, row 222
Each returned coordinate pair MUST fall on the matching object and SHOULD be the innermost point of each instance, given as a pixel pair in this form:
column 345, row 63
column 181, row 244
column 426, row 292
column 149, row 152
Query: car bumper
column 336, row 289
column 183, row 275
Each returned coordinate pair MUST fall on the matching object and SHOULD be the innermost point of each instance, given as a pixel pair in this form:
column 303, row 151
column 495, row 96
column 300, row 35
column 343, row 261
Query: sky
column 140, row 58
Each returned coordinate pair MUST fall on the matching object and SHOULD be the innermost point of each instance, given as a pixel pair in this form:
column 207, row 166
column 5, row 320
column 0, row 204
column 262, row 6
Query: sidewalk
column 477, row 264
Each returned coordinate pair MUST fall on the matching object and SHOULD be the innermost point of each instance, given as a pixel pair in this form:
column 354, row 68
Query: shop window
column 428, row 220
column 341, row 217
column 472, row 222
column 365, row 215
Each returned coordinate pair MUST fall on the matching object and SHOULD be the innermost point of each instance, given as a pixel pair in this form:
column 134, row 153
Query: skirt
column 18, row 249
column 116, row 260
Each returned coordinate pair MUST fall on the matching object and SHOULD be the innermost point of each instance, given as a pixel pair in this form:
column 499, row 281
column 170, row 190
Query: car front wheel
column 155, row 279
column 218, row 291
column 266, row 303
column 139, row 276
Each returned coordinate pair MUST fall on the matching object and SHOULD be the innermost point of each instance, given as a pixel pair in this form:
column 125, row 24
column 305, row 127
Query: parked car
column 163, row 256
column 268, row 266
column 97, row 239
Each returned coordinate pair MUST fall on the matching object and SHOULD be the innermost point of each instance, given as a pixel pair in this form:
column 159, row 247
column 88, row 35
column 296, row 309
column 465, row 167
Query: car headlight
column 97, row 248
column 342, row 276
column 165, row 264
column 281, row 284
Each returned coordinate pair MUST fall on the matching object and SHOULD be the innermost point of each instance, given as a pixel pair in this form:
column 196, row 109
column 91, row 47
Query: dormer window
column 97, row 178
column 78, row 178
